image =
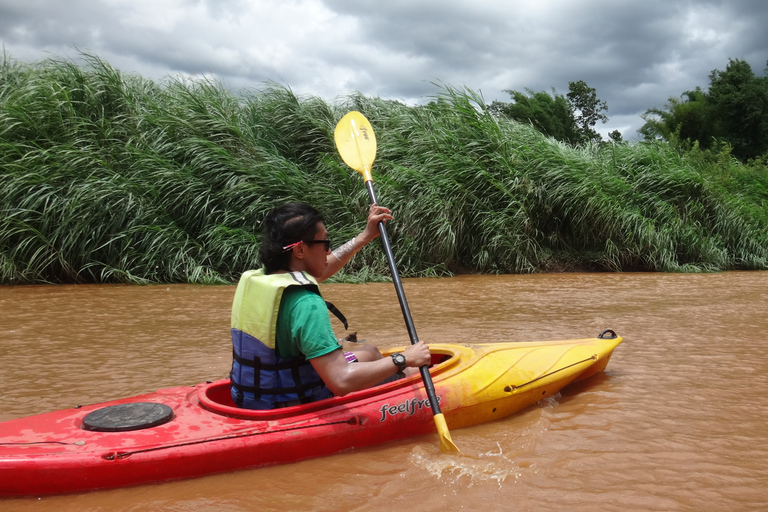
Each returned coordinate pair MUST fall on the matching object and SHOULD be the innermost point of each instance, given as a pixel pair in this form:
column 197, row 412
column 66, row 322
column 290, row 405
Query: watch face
column 399, row 360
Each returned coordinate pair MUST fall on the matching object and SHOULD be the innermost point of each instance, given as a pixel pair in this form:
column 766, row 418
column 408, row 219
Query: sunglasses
column 327, row 244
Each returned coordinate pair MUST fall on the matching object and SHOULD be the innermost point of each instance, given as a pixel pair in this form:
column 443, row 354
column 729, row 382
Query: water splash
column 497, row 464
column 491, row 466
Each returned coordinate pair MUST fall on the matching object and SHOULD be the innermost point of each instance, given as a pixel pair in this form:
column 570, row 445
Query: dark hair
column 283, row 226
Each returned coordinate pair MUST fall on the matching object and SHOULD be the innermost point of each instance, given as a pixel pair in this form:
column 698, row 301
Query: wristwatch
column 399, row 360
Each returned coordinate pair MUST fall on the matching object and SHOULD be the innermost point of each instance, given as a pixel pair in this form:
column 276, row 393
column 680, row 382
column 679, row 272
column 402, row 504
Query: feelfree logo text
column 408, row 407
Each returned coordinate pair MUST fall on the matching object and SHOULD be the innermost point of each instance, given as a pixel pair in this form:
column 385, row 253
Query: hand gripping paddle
column 356, row 143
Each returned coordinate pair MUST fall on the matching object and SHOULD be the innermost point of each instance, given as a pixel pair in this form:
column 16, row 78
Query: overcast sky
column 636, row 54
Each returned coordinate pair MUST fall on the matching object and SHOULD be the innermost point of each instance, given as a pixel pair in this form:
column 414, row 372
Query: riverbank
column 110, row 177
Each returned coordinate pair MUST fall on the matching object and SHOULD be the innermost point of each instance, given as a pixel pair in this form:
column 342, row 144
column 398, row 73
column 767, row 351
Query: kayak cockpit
column 215, row 396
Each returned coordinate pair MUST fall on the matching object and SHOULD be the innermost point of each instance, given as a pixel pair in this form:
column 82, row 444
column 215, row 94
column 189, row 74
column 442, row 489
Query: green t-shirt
column 303, row 325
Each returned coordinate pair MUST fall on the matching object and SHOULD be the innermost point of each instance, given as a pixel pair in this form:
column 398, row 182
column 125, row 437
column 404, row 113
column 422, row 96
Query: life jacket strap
column 257, row 364
column 338, row 314
column 293, row 364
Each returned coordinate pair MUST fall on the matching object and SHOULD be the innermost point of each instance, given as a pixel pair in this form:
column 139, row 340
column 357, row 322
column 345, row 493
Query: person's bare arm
column 342, row 377
column 342, row 254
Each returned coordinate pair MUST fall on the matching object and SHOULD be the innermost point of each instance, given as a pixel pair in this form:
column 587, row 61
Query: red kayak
column 187, row 432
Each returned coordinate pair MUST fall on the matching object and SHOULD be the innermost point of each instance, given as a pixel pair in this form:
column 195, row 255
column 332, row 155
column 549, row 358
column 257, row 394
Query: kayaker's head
column 287, row 229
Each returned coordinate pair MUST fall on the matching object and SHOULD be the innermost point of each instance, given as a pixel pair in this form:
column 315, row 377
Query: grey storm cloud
column 636, row 54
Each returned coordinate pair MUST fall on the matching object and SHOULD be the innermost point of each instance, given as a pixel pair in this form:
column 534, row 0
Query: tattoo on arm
column 346, row 250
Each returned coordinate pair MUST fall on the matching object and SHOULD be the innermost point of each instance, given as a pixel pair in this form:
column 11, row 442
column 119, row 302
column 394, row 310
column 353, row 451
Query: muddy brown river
column 678, row 422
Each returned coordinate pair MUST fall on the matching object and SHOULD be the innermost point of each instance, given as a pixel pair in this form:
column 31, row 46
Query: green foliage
column 688, row 120
column 551, row 114
column 739, row 101
column 107, row 177
column 587, row 108
column 565, row 118
column 734, row 112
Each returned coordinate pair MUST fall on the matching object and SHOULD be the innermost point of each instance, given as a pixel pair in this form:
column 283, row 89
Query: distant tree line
column 733, row 112
column 731, row 116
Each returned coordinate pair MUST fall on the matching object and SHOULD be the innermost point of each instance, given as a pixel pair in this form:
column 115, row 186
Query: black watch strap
column 399, row 360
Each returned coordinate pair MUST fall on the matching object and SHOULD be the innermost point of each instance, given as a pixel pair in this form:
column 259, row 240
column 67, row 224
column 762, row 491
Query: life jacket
column 260, row 378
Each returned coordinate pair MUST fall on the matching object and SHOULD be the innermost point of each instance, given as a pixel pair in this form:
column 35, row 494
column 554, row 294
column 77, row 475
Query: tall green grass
column 110, row 177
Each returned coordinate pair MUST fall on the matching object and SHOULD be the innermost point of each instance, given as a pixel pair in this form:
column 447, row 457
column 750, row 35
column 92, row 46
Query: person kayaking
column 284, row 349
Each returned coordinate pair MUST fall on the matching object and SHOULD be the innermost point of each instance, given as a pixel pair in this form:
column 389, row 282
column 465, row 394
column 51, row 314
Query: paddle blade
column 356, row 143
column 446, row 443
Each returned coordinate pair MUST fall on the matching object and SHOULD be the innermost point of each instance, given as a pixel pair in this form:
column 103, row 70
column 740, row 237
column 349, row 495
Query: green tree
column 549, row 113
column 568, row 119
column 587, row 109
column 733, row 112
column 685, row 119
column 739, row 103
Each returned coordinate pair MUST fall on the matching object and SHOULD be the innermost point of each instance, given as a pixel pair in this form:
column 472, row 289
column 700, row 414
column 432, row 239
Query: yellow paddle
column 356, row 143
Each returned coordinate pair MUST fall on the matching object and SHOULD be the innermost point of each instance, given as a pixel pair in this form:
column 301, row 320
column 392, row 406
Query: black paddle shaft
column 425, row 376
